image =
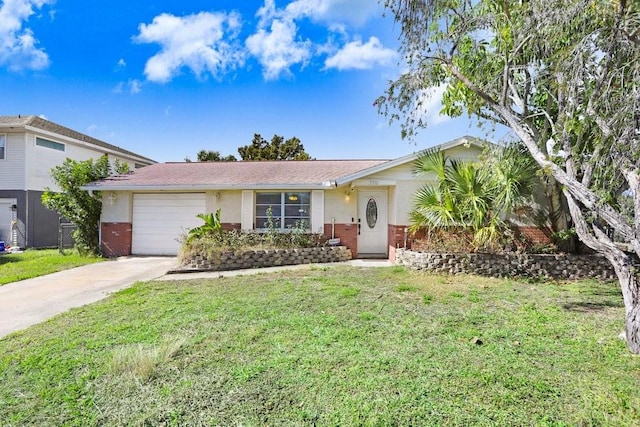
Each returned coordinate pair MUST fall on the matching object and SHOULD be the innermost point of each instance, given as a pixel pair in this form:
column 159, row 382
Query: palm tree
column 478, row 196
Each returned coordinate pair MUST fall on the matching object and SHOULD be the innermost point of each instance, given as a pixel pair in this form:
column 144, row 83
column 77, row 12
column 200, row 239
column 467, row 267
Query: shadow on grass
column 591, row 307
column 7, row 258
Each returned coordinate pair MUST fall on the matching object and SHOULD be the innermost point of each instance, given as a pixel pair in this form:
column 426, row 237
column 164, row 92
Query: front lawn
column 34, row 263
column 329, row 346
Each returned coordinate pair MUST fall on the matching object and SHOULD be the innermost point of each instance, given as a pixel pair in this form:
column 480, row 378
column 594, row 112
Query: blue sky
column 167, row 78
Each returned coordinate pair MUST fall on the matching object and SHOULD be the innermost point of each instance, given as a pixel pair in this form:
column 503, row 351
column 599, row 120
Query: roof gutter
column 207, row 187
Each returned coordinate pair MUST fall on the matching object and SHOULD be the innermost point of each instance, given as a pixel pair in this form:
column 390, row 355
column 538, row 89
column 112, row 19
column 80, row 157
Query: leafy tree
column 475, row 195
column 212, row 156
column 79, row 206
column 276, row 149
column 564, row 76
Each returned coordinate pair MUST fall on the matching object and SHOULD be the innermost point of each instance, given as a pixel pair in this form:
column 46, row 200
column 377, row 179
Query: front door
column 372, row 222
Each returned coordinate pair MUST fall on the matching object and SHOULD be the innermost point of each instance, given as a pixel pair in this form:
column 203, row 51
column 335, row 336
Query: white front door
column 372, row 222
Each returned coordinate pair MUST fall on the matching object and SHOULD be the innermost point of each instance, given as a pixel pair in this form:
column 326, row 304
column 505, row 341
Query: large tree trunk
column 622, row 263
column 629, row 286
column 559, row 217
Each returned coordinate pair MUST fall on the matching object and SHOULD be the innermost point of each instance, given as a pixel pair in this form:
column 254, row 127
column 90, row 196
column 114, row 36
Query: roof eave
column 207, row 187
column 470, row 140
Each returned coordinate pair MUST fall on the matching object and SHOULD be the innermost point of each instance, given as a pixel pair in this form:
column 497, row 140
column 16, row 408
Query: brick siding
column 116, row 238
column 348, row 234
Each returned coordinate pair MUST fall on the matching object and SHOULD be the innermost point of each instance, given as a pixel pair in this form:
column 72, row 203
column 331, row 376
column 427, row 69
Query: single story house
column 30, row 147
column 364, row 203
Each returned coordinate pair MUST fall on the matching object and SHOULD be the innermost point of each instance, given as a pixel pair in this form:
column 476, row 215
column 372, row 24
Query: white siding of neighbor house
column 40, row 160
column 12, row 167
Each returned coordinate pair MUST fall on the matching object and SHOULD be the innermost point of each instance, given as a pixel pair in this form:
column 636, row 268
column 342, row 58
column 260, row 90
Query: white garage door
column 160, row 219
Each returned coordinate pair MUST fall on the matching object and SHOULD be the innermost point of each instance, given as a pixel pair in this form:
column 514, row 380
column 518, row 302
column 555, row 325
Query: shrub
column 210, row 239
column 461, row 240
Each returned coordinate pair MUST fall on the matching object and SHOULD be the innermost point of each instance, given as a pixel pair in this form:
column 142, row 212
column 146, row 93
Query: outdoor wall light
column 217, row 196
column 347, row 196
column 112, row 198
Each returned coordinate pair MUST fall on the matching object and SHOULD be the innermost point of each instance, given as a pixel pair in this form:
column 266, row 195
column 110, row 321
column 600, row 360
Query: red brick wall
column 535, row 234
column 396, row 239
column 228, row 226
column 348, row 234
column 116, row 238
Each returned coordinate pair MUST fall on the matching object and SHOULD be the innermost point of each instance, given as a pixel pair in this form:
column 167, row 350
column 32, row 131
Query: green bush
column 210, row 239
column 234, row 240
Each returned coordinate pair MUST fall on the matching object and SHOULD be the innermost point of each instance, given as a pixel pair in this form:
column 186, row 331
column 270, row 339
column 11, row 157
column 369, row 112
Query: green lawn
column 34, row 263
column 329, row 346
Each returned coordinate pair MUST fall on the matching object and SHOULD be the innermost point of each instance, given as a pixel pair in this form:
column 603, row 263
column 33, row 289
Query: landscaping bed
column 544, row 266
column 252, row 258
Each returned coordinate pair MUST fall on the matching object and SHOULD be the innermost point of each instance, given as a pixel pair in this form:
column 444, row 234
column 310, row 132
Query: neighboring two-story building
column 30, row 147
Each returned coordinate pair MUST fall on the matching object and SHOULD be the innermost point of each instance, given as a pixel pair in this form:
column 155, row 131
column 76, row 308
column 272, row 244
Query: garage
column 160, row 219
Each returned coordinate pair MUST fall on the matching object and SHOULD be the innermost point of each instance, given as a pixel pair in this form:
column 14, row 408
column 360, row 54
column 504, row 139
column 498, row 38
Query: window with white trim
column 41, row 142
column 288, row 210
column 3, row 146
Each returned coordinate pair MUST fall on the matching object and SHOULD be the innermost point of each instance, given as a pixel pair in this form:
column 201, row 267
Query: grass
column 329, row 346
column 34, row 263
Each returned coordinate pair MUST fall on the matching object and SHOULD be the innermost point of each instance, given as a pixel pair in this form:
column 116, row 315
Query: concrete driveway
column 28, row 302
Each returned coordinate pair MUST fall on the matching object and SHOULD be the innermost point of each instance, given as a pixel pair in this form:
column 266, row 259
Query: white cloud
column 335, row 11
column 17, row 44
column 121, row 63
column 356, row 55
column 135, row 86
column 202, row 43
column 277, row 48
column 278, row 45
column 430, row 105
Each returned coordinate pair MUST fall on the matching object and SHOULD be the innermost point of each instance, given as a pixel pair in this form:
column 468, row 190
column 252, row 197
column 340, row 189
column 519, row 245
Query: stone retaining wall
column 237, row 260
column 511, row 265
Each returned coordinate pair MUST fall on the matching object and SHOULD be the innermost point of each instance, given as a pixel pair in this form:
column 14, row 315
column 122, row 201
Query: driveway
column 28, row 302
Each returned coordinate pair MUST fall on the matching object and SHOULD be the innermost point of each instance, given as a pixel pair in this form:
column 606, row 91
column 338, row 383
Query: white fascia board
column 408, row 158
column 203, row 187
column 94, row 147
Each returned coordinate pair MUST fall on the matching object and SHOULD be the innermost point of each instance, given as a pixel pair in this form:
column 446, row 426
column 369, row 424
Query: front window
column 288, row 210
column 3, row 144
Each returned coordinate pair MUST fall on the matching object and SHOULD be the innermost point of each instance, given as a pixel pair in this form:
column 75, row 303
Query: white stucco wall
column 121, row 208
column 337, row 206
column 403, row 184
column 230, row 203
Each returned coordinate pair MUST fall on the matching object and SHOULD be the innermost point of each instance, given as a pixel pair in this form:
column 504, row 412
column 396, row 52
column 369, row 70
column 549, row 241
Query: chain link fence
column 65, row 236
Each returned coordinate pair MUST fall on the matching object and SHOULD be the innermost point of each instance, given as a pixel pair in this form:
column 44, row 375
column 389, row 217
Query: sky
column 166, row 79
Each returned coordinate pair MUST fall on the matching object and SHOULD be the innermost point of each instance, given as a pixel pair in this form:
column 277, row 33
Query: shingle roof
column 46, row 125
column 220, row 175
